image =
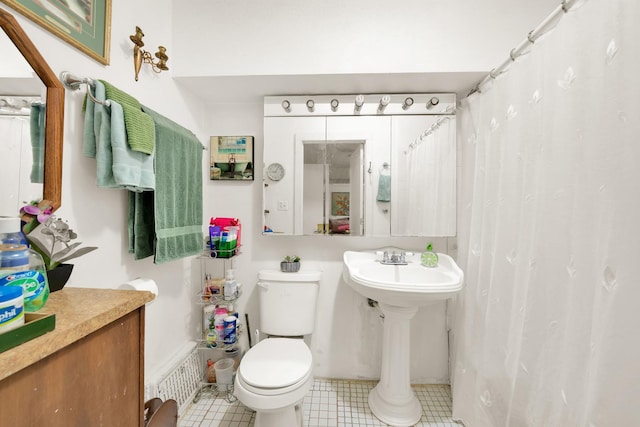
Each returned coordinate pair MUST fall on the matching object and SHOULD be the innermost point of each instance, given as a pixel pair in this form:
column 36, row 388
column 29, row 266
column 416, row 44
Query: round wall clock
column 275, row 171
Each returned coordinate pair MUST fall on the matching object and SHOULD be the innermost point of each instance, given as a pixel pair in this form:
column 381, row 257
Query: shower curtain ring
column 530, row 37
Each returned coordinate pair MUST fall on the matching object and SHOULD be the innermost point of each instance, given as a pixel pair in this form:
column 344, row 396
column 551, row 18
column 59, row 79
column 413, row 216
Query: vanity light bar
column 362, row 104
column 359, row 102
column 432, row 103
column 384, row 101
column 311, row 105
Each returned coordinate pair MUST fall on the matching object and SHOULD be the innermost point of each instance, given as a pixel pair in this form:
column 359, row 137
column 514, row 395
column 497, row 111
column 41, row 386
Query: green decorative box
column 34, row 326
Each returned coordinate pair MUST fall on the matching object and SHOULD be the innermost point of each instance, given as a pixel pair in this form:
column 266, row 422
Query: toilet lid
column 276, row 363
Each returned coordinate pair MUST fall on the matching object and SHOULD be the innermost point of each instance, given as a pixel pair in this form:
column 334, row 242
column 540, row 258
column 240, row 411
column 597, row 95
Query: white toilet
column 275, row 374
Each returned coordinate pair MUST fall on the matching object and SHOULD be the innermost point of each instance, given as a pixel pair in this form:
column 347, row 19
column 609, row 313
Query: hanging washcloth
column 131, row 170
column 140, row 127
column 37, row 128
column 384, row 188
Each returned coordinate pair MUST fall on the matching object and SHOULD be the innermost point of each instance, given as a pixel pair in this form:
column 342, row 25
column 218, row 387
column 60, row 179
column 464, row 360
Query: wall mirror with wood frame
column 53, row 111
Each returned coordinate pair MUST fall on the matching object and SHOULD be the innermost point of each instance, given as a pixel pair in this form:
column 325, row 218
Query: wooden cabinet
column 89, row 371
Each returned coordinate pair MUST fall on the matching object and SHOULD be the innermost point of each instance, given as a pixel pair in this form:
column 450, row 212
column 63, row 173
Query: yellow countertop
column 79, row 312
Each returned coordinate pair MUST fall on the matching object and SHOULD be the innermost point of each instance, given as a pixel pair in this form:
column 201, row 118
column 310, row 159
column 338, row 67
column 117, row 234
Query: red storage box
column 228, row 222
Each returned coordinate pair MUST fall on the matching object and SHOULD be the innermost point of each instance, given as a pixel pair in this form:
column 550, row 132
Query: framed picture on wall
column 231, row 158
column 339, row 204
column 84, row 24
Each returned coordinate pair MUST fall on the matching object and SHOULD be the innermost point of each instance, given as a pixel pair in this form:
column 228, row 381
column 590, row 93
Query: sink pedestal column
column 392, row 400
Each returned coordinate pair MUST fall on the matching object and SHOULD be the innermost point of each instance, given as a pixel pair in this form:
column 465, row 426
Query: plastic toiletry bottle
column 206, row 292
column 429, row 257
column 208, row 316
column 218, row 322
column 230, row 287
column 11, row 308
column 24, row 267
column 230, row 336
column 10, row 232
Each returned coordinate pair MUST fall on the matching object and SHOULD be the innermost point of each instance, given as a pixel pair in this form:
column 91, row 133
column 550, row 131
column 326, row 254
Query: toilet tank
column 287, row 301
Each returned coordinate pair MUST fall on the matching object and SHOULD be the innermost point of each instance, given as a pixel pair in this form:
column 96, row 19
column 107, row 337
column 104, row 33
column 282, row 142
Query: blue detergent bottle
column 21, row 266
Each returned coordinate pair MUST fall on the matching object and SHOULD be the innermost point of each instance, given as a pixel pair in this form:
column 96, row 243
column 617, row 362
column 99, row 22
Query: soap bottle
column 429, row 257
column 230, row 287
column 10, row 231
column 21, row 266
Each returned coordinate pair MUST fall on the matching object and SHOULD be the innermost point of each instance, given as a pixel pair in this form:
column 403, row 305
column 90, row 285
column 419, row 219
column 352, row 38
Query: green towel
column 141, row 224
column 93, row 114
column 139, row 125
column 176, row 205
column 130, row 169
column 37, row 128
column 384, row 188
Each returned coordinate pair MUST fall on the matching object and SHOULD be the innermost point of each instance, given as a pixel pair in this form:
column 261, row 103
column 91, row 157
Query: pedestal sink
column 400, row 290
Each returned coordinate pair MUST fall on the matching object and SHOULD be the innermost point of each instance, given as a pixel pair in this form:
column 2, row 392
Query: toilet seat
column 276, row 366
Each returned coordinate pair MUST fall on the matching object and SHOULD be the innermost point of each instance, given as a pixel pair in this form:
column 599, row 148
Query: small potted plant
column 290, row 264
column 52, row 237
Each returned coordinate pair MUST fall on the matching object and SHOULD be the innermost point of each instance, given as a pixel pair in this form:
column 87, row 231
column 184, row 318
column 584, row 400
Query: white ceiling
column 252, row 89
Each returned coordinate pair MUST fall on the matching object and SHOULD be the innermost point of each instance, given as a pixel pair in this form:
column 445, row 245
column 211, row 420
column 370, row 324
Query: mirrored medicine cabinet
column 337, row 168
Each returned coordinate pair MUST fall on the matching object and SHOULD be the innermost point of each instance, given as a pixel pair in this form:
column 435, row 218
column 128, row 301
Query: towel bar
column 73, row 82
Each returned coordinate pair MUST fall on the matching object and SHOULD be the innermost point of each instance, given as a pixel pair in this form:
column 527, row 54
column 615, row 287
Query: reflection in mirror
column 333, row 190
column 423, row 177
column 352, row 173
column 23, row 71
column 22, row 152
column 19, row 89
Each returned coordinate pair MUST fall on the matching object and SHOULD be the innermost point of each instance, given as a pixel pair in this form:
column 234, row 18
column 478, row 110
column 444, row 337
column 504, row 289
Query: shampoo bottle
column 230, row 287
column 429, row 257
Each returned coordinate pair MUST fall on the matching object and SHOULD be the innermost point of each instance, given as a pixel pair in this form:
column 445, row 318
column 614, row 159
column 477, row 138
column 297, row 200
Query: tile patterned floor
column 330, row 403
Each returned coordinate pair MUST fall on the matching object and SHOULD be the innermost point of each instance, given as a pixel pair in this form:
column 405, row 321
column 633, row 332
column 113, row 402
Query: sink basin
column 408, row 285
column 399, row 290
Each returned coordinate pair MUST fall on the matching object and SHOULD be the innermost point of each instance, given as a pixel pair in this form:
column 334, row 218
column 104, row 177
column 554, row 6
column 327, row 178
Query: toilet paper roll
column 141, row 284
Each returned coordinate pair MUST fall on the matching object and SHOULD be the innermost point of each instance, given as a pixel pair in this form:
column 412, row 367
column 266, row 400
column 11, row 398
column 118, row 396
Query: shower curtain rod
column 427, row 132
column 565, row 6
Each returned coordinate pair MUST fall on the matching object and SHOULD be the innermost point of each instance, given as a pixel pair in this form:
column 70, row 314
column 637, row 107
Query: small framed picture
column 232, row 158
column 340, row 204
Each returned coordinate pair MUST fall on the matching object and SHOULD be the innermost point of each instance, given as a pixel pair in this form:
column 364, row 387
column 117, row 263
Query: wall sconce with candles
column 141, row 56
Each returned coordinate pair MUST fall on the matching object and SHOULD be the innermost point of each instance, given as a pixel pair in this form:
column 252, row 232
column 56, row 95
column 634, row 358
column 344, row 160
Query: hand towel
column 139, row 125
column 105, row 138
column 37, row 130
column 92, row 119
column 176, row 205
column 384, row 188
column 131, row 170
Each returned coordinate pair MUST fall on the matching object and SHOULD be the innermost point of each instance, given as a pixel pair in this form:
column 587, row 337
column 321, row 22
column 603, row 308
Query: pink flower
column 41, row 214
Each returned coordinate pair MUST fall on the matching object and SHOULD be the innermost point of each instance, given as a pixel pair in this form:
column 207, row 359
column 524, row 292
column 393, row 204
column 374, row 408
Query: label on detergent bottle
column 34, row 285
column 230, row 330
column 11, row 308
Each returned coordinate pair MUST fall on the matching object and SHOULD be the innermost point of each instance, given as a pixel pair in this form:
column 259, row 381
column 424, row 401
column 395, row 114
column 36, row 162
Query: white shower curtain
column 547, row 332
column 16, row 154
column 426, row 207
